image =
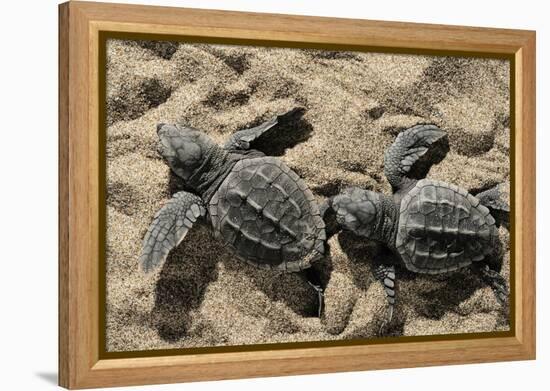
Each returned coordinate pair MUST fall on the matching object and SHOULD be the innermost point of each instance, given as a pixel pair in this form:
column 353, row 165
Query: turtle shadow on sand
column 185, row 277
column 362, row 254
column 182, row 284
column 292, row 289
column 431, row 296
column 295, row 130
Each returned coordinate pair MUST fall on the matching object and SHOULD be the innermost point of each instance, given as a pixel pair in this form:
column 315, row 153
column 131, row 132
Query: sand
column 356, row 103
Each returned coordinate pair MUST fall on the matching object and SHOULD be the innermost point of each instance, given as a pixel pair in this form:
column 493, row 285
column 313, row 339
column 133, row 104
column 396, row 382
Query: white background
column 28, row 204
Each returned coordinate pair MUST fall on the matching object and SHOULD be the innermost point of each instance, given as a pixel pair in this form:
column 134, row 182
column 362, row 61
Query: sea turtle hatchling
column 433, row 227
column 255, row 204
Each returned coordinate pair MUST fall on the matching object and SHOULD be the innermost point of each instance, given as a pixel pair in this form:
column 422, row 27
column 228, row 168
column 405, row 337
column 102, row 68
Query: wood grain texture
column 526, row 194
column 79, row 189
column 64, row 354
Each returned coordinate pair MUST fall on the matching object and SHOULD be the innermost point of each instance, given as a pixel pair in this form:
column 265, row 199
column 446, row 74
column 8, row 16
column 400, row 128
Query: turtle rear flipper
column 494, row 199
column 495, row 281
column 313, row 278
column 170, row 225
column 408, row 149
column 242, row 139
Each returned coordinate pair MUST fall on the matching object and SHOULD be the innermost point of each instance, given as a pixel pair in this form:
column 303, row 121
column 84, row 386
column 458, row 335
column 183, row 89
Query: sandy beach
column 355, row 105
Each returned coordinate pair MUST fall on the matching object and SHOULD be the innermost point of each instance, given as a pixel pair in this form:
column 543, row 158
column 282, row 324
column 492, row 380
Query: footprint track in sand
column 132, row 102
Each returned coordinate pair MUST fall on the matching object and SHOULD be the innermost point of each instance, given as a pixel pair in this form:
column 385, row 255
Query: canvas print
column 260, row 195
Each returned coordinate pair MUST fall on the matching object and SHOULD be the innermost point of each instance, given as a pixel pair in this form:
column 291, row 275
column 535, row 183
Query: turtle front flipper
column 407, row 149
column 170, row 225
column 242, row 139
column 386, row 275
column 494, row 199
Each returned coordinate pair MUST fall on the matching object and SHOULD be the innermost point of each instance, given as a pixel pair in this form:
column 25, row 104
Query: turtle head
column 184, row 149
column 359, row 211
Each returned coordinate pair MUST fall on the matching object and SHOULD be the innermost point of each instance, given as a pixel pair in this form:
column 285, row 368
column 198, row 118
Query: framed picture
column 247, row 195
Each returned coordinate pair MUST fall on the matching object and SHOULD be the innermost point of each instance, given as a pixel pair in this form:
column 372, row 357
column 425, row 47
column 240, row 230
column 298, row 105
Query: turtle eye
column 159, row 126
column 243, row 144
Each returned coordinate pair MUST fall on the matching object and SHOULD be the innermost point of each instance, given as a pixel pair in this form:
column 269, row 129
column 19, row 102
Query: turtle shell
column 443, row 228
column 267, row 214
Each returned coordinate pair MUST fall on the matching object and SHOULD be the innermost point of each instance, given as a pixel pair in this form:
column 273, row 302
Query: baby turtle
column 433, row 227
column 255, row 204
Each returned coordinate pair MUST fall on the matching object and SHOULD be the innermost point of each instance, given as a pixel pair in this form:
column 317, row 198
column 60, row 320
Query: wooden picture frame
column 81, row 25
